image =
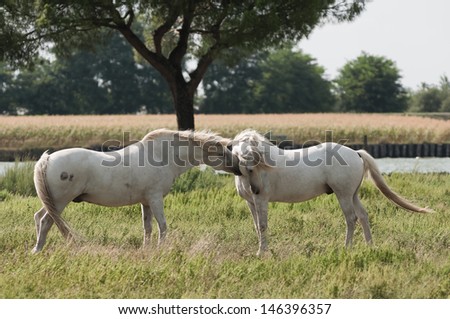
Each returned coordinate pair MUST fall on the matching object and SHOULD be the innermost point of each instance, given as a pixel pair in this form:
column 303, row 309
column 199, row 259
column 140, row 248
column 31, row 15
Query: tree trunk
column 182, row 92
column 183, row 101
column 184, row 109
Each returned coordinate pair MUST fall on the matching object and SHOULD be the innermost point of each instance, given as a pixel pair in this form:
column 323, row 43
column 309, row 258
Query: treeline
column 112, row 81
column 107, row 81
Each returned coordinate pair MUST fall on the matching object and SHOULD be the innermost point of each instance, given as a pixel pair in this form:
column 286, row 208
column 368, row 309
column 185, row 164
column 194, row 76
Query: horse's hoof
column 260, row 253
column 35, row 250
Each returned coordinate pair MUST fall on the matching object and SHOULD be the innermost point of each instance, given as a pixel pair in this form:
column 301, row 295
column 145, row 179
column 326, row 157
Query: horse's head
column 251, row 170
column 252, row 149
column 217, row 153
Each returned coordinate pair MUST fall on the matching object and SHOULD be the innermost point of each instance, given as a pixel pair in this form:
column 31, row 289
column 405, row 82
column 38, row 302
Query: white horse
column 270, row 174
column 140, row 173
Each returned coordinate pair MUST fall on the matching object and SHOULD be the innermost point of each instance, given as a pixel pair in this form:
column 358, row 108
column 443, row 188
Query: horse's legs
column 252, row 207
column 361, row 213
column 261, row 209
column 147, row 217
column 46, row 223
column 156, row 204
column 346, row 204
column 37, row 219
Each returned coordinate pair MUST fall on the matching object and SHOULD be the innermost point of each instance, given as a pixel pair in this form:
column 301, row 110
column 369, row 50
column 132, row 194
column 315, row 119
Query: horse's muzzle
column 236, row 171
column 255, row 189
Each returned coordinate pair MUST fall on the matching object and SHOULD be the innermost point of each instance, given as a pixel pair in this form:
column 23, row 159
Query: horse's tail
column 375, row 174
column 43, row 191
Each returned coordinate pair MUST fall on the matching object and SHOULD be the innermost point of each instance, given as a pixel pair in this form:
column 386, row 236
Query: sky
column 415, row 34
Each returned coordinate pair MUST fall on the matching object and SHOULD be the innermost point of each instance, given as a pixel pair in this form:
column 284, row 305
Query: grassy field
column 28, row 132
column 211, row 246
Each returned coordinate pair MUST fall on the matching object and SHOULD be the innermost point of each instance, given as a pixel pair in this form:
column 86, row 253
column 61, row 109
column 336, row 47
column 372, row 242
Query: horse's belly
column 107, row 199
column 298, row 195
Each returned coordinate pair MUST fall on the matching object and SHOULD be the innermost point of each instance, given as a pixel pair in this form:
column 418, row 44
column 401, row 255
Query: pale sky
column 415, row 34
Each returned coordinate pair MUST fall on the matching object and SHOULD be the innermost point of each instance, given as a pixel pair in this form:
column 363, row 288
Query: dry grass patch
column 86, row 130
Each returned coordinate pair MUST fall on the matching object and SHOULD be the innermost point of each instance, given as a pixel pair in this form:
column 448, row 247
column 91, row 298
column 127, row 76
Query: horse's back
column 310, row 172
column 73, row 161
column 110, row 179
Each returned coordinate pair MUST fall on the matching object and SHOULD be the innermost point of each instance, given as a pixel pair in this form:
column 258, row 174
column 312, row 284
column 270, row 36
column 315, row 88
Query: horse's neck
column 275, row 154
column 179, row 154
column 179, row 157
column 281, row 158
column 188, row 154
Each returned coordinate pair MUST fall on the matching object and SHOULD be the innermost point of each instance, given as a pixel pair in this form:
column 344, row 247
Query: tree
column 427, row 99
column 175, row 31
column 292, row 82
column 60, row 87
column 102, row 82
column 432, row 98
column 6, row 81
column 231, row 89
column 275, row 81
column 130, row 86
column 370, row 84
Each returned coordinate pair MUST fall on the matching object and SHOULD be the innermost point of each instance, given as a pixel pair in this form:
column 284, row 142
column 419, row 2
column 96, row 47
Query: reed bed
column 24, row 132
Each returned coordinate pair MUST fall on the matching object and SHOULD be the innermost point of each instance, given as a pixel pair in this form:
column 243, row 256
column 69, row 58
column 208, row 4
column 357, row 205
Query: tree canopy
column 107, row 81
column 278, row 81
column 370, row 83
column 432, row 98
column 292, row 82
column 174, row 31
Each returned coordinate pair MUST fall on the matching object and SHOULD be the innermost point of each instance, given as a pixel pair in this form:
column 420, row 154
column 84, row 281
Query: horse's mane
column 258, row 144
column 198, row 136
column 251, row 137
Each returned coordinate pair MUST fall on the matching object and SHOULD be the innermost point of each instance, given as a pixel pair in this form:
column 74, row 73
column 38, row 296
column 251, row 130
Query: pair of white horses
column 145, row 171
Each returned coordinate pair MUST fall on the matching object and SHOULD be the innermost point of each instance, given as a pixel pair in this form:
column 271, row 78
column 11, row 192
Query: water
column 416, row 165
column 5, row 166
column 386, row 165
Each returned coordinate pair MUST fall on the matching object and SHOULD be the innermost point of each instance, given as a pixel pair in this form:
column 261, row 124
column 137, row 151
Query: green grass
column 211, row 246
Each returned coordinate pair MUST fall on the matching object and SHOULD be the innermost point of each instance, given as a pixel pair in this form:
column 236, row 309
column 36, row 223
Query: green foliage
column 370, row 84
column 4, row 194
column 232, row 24
column 18, row 180
column 174, row 31
column 211, row 242
column 278, row 81
column 83, row 82
column 6, row 100
column 432, row 98
column 231, row 89
column 292, row 82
